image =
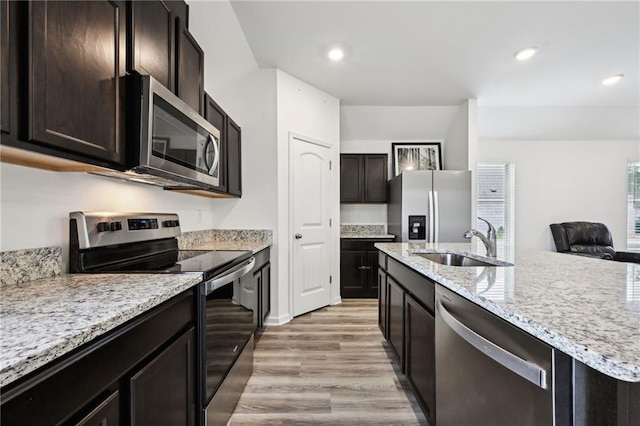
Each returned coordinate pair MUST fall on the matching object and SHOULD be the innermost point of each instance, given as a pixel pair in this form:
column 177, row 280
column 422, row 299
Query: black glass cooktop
column 208, row 262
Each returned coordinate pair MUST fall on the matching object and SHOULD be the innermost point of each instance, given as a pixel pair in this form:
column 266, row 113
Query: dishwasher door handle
column 525, row 369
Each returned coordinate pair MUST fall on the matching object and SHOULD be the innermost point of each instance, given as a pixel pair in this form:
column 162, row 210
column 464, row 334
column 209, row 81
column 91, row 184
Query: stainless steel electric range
column 226, row 308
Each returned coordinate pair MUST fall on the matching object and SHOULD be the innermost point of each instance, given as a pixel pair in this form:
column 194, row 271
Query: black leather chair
column 588, row 239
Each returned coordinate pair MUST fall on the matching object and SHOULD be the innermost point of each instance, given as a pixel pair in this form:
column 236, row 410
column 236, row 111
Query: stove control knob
column 115, row 226
column 103, row 226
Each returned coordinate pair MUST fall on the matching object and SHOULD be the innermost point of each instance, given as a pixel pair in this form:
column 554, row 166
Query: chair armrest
column 628, row 256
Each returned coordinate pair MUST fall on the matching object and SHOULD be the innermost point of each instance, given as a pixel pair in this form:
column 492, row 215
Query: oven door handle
column 229, row 277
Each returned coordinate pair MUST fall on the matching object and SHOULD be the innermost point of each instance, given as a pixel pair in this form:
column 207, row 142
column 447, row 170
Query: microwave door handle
column 216, row 155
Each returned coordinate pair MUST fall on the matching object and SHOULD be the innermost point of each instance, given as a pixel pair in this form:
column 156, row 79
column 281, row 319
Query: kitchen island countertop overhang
column 586, row 308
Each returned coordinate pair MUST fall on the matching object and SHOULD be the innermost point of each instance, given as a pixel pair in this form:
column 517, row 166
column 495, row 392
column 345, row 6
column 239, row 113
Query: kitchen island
column 588, row 309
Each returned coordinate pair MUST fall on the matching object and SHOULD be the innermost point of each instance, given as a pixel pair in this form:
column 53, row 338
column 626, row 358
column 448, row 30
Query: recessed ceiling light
column 526, row 53
column 612, row 80
column 336, row 54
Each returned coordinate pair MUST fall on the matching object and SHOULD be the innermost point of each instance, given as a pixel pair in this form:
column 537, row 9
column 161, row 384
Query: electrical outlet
column 359, row 216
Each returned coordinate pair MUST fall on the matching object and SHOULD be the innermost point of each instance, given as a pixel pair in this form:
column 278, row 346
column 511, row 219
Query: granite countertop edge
column 353, row 236
column 20, row 360
column 615, row 368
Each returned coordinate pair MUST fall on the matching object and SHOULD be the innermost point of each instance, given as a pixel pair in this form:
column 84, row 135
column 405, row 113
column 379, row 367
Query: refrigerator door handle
column 430, row 238
column 436, row 217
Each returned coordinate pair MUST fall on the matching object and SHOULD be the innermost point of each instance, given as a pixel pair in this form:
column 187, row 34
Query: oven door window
column 180, row 141
column 228, row 326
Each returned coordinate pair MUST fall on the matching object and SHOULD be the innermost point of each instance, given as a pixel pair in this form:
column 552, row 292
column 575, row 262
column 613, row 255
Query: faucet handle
column 491, row 230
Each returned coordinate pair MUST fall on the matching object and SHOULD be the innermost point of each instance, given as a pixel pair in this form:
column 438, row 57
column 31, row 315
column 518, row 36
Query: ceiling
column 444, row 52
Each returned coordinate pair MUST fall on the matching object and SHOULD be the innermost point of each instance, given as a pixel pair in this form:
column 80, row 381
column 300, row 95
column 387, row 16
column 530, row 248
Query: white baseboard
column 336, row 300
column 282, row 319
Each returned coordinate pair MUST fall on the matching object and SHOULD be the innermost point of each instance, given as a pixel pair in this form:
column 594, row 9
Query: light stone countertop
column 364, row 231
column 364, row 236
column 587, row 308
column 44, row 319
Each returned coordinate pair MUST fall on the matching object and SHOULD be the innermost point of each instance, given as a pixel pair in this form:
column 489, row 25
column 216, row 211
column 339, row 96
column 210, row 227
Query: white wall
column 560, row 181
column 306, row 111
column 455, row 150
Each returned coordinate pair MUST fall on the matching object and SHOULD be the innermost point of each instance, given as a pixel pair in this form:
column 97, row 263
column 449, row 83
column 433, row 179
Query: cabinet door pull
column 364, row 267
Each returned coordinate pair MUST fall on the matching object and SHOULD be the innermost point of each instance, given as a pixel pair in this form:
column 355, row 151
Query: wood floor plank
column 329, row 367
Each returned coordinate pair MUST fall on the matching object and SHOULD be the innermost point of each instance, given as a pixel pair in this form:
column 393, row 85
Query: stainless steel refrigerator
column 430, row 205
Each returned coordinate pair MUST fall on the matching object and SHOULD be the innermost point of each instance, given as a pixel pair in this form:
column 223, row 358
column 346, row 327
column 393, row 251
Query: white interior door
column 311, row 195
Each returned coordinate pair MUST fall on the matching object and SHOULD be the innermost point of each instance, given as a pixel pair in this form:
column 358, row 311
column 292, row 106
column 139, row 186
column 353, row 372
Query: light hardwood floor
column 330, row 367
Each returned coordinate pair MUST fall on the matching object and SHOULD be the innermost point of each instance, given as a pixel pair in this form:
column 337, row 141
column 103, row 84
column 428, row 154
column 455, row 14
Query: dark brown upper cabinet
column 190, row 68
column 234, row 160
column 7, row 68
column 4, row 65
column 363, row 178
column 161, row 46
column 76, row 59
column 215, row 115
column 151, row 41
column 230, row 147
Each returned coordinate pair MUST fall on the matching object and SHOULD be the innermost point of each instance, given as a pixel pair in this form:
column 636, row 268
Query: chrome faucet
column 489, row 240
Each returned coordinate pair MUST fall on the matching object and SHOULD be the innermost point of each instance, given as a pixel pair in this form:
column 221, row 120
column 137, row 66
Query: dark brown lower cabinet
column 162, row 391
column 265, row 293
column 395, row 295
column 359, row 267
column 382, row 301
column 420, row 366
column 105, row 414
column 406, row 318
column 142, row 373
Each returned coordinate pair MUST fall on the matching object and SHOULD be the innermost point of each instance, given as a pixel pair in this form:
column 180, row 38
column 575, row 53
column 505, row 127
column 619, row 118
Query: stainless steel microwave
column 167, row 138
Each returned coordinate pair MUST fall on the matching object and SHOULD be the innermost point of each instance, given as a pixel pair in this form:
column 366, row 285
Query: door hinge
column 330, row 279
column 329, row 222
column 330, row 164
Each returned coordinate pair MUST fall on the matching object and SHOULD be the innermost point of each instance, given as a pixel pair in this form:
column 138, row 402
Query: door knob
column 298, row 236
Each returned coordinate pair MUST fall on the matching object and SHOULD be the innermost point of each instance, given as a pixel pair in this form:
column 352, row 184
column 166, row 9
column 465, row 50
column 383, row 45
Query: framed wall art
column 416, row 156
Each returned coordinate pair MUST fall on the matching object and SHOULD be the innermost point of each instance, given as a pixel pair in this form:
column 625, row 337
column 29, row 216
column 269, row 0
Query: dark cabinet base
column 420, row 355
column 359, row 268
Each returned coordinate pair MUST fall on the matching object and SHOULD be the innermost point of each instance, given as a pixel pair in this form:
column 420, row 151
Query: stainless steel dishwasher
column 488, row 372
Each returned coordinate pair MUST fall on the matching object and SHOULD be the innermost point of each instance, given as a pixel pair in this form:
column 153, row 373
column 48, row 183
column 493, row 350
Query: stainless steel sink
column 455, row 259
